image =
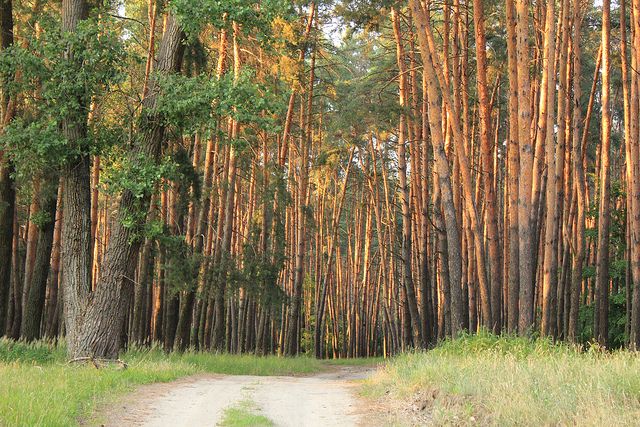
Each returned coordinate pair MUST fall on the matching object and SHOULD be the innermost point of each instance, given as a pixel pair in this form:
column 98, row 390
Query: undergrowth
column 490, row 380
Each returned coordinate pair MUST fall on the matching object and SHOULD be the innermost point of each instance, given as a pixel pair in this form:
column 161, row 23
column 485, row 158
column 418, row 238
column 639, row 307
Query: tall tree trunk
column 94, row 322
column 229, row 207
column 513, row 159
column 550, row 267
column 578, row 182
column 444, row 179
column 34, row 307
column 54, row 306
column 76, row 232
column 602, row 262
column 7, row 189
column 407, row 279
column 291, row 345
column 324, row 289
column 435, row 77
column 486, row 133
column 634, row 165
column 525, row 231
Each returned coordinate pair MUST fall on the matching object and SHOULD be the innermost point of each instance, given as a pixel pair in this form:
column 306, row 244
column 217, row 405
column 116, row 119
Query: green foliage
column 617, row 321
column 617, row 233
column 186, row 102
column 61, row 72
column 364, row 13
column 181, row 265
column 248, row 101
column 259, row 274
column 254, row 17
column 40, row 218
column 138, row 175
column 484, row 341
column 194, row 103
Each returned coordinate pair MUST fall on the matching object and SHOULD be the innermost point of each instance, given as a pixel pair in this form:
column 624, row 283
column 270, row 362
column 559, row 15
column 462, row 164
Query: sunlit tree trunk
column 444, row 178
column 513, row 160
column 550, row 268
column 293, row 332
column 634, row 161
column 525, row 231
column 602, row 262
column 578, row 182
column 486, row 133
column 407, row 279
column 435, row 77
column 76, row 231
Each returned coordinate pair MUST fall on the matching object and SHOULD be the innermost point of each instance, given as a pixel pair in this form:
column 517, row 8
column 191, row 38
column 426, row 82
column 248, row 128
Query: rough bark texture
column 407, row 279
column 435, row 76
column 578, row 182
column 76, row 233
column 513, row 172
column 604, row 220
column 94, row 321
column 7, row 190
column 34, row 307
column 527, row 270
column 634, row 172
column 486, row 134
column 550, row 267
column 291, row 346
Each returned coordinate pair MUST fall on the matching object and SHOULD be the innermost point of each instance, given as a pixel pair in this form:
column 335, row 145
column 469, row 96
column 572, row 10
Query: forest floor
column 324, row 399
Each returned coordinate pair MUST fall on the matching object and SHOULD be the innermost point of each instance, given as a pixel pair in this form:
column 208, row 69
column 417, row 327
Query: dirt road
column 326, row 399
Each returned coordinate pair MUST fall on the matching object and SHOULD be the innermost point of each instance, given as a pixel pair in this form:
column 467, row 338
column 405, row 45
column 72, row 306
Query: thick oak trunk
column 94, row 320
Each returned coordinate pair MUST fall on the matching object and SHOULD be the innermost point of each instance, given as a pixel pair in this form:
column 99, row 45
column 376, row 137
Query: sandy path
column 326, row 399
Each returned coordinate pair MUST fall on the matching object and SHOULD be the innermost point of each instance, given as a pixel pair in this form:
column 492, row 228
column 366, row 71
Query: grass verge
column 488, row 380
column 38, row 387
column 361, row 362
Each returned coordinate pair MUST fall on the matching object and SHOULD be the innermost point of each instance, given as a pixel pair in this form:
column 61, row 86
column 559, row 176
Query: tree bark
column 291, row 345
column 34, row 307
column 550, row 266
column 435, row 77
column 602, row 261
column 7, row 186
column 525, row 232
column 94, row 321
column 76, row 232
column 513, row 167
column 486, row 133
column 578, row 182
column 407, row 279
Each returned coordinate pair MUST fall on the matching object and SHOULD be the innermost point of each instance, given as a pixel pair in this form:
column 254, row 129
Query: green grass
column 244, row 415
column 492, row 380
column 38, row 387
column 371, row 361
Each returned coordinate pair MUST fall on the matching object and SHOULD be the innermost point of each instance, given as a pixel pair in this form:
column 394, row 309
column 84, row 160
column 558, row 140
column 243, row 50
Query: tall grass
column 38, row 387
column 513, row 381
